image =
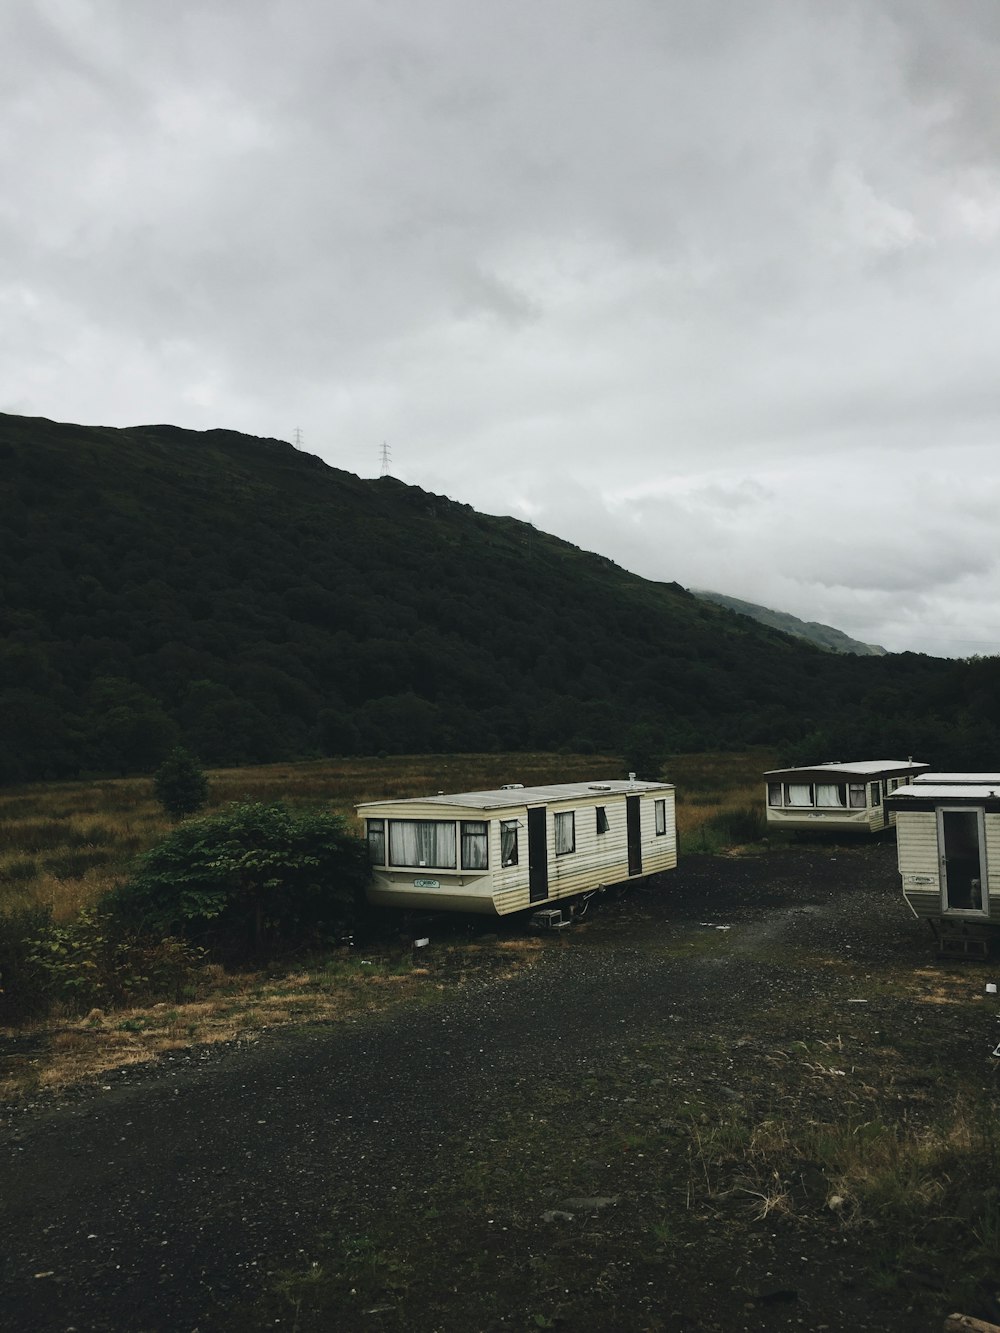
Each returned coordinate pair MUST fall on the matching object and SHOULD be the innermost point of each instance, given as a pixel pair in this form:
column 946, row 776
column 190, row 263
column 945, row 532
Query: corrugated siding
column 916, row 843
column 992, row 822
column 917, row 854
column 599, row 859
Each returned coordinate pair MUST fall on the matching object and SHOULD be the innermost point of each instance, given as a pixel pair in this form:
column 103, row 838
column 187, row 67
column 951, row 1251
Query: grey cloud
column 701, row 285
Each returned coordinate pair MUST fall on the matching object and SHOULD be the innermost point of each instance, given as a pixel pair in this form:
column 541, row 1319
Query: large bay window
column 422, row 842
column 831, row 795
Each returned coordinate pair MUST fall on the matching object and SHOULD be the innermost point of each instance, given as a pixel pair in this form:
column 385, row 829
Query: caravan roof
column 859, row 768
column 503, row 797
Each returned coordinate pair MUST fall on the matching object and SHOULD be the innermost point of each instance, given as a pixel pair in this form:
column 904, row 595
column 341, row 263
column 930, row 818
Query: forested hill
column 243, row 598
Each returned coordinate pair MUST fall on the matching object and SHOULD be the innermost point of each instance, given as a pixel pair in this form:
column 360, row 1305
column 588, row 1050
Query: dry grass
column 710, row 786
column 239, row 1007
column 65, row 844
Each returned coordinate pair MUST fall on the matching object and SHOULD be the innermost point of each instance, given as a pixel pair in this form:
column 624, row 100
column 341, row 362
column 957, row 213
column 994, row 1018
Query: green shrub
column 24, row 983
column 252, row 880
column 180, row 784
column 94, row 961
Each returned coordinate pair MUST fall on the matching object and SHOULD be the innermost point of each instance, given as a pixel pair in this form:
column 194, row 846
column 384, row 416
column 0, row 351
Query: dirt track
column 165, row 1198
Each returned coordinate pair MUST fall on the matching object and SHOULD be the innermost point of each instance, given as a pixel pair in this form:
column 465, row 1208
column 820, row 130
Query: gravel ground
column 167, row 1197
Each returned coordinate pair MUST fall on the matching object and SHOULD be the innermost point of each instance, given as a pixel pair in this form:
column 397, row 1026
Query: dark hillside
column 242, row 597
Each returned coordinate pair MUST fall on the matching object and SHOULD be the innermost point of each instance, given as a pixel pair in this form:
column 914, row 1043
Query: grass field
column 64, row 844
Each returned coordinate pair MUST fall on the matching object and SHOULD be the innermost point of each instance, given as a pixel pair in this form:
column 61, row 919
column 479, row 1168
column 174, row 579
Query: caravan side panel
column 992, row 822
column 919, row 866
column 917, row 858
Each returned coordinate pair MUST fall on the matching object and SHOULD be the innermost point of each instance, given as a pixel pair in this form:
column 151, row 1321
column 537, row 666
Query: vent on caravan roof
column 599, row 786
column 512, row 786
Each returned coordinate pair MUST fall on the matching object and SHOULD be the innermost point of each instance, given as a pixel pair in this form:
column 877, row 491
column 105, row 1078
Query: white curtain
column 475, row 844
column 831, row 794
column 422, row 842
column 799, row 793
column 565, row 832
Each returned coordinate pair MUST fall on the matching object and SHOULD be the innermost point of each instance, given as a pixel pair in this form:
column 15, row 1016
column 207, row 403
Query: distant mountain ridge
column 245, row 599
column 824, row 636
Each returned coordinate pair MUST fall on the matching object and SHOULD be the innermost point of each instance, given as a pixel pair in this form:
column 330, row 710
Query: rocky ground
column 633, row 1134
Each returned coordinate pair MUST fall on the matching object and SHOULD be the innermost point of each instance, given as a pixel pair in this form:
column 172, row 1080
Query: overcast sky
column 711, row 287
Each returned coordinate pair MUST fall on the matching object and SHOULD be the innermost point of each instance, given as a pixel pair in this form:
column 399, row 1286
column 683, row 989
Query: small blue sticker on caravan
column 426, row 884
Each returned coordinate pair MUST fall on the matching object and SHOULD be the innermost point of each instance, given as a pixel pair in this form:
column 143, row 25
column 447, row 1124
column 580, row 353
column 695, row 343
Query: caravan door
column 538, row 856
column 633, row 821
column 962, row 857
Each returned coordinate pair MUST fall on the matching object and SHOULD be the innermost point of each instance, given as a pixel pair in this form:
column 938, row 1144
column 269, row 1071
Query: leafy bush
column 93, row 961
column 249, row 881
column 24, row 990
column 180, row 785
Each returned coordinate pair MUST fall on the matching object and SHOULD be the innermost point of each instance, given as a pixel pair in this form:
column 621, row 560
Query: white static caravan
column 948, row 853
column 502, row 851
column 835, row 797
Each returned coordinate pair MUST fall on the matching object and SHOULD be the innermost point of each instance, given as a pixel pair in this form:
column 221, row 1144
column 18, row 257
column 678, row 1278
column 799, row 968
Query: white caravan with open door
column 948, row 852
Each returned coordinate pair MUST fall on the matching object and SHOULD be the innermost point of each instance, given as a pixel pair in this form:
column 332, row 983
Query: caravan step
column 963, row 939
column 549, row 918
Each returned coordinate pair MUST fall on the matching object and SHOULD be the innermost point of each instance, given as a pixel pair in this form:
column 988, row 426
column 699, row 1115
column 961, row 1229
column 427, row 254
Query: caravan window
column 660, row 811
column 422, row 842
column 831, row 794
column 857, row 790
column 602, row 819
column 508, row 842
column 774, row 793
column 475, row 844
column 565, row 823
column 798, row 793
column 876, row 793
column 376, row 841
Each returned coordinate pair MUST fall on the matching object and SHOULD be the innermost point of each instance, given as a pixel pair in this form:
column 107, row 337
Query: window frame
column 660, row 817
column 482, row 832
column 424, row 865
column 557, row 823
column 509, row 826
column 380, row 833
column 601, row 822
